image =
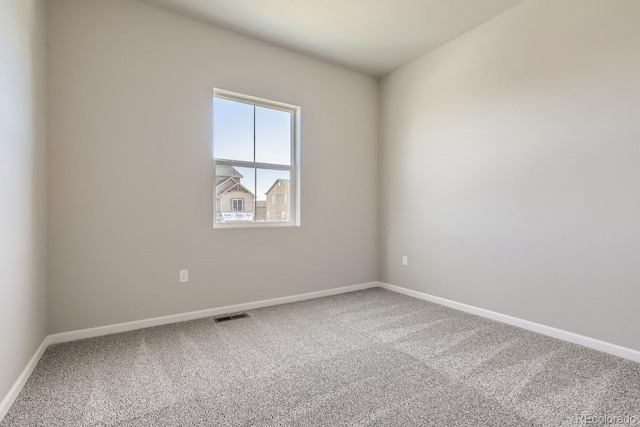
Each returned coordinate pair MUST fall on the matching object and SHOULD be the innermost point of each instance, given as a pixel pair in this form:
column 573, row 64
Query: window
column 237, row 205
column 255, row 159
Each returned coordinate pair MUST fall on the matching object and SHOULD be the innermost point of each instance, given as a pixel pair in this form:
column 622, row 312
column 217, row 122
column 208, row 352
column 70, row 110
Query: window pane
column 273, row 136
column 232, row 130
column 235, row 194
column 273, row 196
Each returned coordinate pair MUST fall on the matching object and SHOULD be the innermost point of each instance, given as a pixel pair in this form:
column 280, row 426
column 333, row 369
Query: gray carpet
column 368, row 358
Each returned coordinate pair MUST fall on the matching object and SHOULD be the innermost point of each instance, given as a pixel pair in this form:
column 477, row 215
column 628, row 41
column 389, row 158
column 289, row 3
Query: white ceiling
column 371, row 36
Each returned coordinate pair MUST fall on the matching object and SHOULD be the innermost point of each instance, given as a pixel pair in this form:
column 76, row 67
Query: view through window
column 255, row 160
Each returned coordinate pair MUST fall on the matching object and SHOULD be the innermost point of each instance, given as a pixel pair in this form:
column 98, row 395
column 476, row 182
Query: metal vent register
column 230, row 317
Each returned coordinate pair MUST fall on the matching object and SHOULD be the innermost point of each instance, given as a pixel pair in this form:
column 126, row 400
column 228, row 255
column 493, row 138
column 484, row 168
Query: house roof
column 227, row 171
column 222, row 179
column 284, row 181
column 230, row 185
column 225, row 186
column 227, row 178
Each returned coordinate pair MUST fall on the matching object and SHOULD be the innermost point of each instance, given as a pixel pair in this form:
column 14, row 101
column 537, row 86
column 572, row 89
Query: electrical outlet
column 184, row 276
column 405, row 260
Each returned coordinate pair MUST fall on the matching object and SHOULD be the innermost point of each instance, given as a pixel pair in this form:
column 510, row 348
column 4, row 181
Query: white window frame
column 293, row 168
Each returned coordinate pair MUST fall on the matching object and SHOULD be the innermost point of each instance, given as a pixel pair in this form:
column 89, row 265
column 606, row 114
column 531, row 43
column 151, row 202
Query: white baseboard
column 157, row 321
column 14, row 391
column 571, row 337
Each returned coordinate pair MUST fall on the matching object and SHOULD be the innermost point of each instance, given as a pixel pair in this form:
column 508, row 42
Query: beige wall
column 522, row 140
column 22, row 185
column 131, row 176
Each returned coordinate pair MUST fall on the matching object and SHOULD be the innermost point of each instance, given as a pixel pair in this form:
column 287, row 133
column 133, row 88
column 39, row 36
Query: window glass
column 273, row 136
column 232, row 130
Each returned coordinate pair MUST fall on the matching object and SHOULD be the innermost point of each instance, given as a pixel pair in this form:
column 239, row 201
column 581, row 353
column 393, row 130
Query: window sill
column 223, row 225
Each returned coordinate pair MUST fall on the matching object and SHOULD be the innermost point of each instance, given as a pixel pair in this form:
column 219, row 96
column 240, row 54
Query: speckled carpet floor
column 367, row 358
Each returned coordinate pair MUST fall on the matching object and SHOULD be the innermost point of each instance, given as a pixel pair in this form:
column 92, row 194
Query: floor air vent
column 231, row 317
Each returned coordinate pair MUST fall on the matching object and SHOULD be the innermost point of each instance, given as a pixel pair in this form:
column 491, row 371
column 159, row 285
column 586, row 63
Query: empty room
column 319, row 213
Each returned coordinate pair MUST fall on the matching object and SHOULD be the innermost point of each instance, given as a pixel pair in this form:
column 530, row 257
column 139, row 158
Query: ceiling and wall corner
column 372, row 36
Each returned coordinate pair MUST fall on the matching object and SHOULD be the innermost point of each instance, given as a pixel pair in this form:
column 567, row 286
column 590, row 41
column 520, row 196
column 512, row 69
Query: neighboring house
column 261, row 211
column 234, row 202
column 278, row 200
